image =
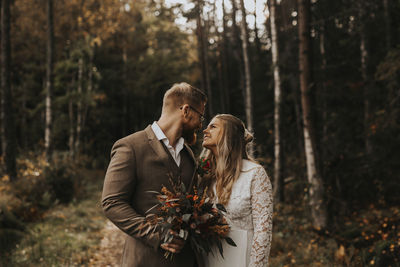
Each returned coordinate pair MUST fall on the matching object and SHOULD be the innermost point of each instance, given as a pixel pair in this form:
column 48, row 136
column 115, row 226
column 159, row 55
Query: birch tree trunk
column 246, row 60
column 316, row 190
column 49, row 80
column 8, row 128
column 278, row 178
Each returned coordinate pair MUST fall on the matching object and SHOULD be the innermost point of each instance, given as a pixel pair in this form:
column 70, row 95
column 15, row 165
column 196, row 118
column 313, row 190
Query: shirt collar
column 161, row 136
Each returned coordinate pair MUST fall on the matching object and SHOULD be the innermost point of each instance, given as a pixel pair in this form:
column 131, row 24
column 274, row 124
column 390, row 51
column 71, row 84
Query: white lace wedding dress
column 249, row 213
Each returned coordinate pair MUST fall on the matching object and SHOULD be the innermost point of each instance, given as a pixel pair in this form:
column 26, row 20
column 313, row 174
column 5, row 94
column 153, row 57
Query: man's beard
column 190, row 137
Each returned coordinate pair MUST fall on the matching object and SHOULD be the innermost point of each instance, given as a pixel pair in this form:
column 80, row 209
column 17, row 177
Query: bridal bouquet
column 193, row 216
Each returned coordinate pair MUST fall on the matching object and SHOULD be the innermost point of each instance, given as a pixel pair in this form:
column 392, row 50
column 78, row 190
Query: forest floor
column 78, row 234
column 109, row 252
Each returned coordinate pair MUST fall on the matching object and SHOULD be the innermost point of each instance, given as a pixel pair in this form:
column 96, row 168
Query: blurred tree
column 316, row 189
column 278, row 177
column 8, row 127
column 223, row 48
column 49, row 80
column 364, row 52
column 202, row 40
column 246, row 60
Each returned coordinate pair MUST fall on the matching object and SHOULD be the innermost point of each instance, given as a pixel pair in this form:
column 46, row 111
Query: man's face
column 194, row 124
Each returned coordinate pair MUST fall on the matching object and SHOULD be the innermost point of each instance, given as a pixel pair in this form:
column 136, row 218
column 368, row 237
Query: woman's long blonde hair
column 231, row 149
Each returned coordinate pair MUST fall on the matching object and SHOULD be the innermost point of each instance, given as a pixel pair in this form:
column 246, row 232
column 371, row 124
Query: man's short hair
column 183, row 93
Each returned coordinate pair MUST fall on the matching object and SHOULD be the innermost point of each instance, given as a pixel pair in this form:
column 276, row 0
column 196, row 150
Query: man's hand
column 175, row 245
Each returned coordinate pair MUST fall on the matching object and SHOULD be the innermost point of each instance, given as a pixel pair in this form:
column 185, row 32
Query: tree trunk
column 202, row 42
column 237, row 48
column 278, row 177
column 89, row 91
column 71, row 139
column 256, row 37
column 225, row 65
column 364, row 75
column 24, row 121
column 388, row 28
column 49, row 80
column 248, row 98
column 8, row 128
column 219, row 58
column 125, row 116
column 316, row 190
column 323, row 99
column 79, row 107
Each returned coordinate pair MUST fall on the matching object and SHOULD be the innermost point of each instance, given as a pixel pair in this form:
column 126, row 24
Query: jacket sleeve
column 119, row 186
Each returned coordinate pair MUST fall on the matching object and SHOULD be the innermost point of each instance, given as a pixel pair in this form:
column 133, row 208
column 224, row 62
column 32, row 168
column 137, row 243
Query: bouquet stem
column 168, row 254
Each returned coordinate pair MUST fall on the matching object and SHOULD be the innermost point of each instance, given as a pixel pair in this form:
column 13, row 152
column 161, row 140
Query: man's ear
column 185, row 110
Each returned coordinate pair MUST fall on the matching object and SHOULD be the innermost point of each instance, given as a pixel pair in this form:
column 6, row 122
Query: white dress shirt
column 175, row 152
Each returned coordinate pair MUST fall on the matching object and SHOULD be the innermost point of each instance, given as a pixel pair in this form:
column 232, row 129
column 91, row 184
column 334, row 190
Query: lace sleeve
column 261, row 206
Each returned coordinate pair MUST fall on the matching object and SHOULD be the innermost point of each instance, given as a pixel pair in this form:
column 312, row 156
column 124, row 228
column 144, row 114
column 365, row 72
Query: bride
column 244, row 188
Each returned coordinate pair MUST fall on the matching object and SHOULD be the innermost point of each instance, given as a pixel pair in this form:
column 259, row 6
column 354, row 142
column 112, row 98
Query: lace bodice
column 250, row 208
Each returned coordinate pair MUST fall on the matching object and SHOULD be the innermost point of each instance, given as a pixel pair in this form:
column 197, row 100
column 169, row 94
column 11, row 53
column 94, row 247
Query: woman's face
column 212, row 134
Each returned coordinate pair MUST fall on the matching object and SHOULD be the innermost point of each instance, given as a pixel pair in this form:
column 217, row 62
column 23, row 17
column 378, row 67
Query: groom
column 140, row 163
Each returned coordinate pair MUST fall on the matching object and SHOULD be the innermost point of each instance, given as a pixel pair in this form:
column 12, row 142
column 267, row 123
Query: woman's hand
column 175, row 245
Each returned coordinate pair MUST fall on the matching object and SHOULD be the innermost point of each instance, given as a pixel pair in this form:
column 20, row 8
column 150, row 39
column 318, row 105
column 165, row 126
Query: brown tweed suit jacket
column 140, row 163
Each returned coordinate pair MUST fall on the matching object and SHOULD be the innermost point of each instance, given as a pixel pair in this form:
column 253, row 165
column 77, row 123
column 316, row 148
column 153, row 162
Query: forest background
column 317, row 82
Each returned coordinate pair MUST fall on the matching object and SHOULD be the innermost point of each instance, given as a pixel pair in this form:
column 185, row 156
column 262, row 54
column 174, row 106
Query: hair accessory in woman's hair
column 248, row 137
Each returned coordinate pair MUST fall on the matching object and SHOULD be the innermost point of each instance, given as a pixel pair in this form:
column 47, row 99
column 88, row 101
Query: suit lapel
column 163, row 156
column 194, row 178
column 157, row 147
column 190, row 153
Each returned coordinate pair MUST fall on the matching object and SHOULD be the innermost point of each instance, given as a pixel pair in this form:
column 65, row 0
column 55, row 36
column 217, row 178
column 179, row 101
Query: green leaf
column 183, row 188
column 230, row 241
column 221, row 207
column 221, row 250
column 186, row 217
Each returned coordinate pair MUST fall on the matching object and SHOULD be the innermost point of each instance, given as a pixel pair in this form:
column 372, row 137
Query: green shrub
column 62, row 181
column 11, row 230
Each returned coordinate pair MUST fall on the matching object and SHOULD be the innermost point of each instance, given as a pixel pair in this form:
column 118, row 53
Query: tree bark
column 316, row 190
column 71, row 139
column 225, row 65
column 388, row 28
column 89, row 91
column 49, row 80
column 125, row 99
column 202, row 42
column 323, row 98
column 278, row 177
column 256, row 37
column 8, row 128
column 248, row 98
column 79, row 109
column 364, row 74
column 237, row 48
